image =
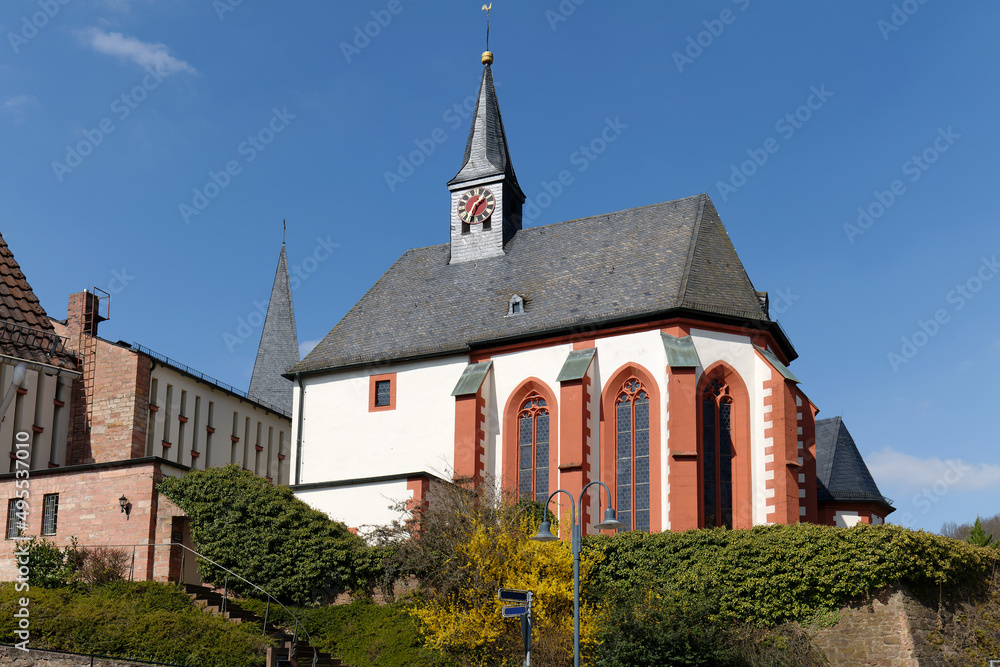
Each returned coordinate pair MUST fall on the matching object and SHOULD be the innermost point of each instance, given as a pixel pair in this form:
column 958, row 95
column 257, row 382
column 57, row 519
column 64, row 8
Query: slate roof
column 25, row 330
column 840, row 470
column 279, row 344
column 641, row 262
column 486, row 151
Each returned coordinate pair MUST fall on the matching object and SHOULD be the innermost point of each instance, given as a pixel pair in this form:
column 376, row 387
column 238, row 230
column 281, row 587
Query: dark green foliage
column 264, row 534
column 360, row 633
column 770, row 574
column 978, row 536
column 142, row 620
column 47, row 564
column 671, row 628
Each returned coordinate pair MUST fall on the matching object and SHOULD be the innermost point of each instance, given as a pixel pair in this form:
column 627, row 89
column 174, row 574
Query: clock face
column 476, row 205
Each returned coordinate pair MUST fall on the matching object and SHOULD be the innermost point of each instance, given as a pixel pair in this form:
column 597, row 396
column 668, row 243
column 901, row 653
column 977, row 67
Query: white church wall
column 359, row 506
column 342, row 439
column 846, row 519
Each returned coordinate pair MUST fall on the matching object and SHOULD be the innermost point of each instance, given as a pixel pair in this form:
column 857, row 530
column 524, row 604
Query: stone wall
column 898, row 630
column 34, row 658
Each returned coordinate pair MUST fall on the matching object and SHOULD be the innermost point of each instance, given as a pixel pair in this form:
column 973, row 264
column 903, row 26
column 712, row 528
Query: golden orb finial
column 487, row 57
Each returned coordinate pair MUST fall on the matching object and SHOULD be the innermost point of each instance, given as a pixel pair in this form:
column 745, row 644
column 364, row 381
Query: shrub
column 103, row 565
column 770, row 574
column 264, row 534
column 142, row 620
column 463, row 545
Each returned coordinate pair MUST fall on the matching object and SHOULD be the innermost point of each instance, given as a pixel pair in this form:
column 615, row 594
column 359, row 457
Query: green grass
column 142, row 620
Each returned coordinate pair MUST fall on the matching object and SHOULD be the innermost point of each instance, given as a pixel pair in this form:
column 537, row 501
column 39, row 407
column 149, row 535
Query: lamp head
column 122, row 502
column 545, row 533
column 610, row 522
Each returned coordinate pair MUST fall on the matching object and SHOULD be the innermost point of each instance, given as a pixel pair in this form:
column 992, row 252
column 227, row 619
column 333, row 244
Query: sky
column 152, row 150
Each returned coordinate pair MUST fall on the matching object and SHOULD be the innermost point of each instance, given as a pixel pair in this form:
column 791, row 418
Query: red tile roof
column 25, row 329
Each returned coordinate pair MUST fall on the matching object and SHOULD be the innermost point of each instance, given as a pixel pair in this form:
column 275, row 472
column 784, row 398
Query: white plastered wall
column 362, row 506
column 342, row 440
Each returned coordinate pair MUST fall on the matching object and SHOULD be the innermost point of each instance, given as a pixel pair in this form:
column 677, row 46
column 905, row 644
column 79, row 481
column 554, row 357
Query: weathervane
column 487, row 56
column 487, row 8
column 282, row 231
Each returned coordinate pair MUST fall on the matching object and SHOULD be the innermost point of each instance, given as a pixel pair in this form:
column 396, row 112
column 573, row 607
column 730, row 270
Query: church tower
column 279, row 346
column 486, row 200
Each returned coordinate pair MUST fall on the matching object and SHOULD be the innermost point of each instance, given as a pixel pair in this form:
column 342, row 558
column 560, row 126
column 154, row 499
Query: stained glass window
column 632, row 455
column 717, row 454
column 533, row 448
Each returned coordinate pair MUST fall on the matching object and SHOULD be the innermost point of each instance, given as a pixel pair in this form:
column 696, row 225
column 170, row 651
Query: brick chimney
column 82, row 316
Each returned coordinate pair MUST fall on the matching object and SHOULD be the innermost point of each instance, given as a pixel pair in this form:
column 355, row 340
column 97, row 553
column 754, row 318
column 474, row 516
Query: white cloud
column 20, row 102
column 306, row 346
column 899, row 470
column 145, row 54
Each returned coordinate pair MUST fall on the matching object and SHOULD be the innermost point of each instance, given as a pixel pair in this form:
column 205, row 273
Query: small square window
column 50, row 513
column 383, row 392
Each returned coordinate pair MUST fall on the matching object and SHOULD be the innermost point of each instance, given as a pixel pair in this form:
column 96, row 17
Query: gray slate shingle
column 638, row 262
column 279, row 346
column 840, row 470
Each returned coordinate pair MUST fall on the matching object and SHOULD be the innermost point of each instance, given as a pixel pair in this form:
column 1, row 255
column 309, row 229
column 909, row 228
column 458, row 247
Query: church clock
column 476, row 206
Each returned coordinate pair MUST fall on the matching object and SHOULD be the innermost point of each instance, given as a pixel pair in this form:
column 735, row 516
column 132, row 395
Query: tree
column 264, row 534
column 465, row 544
column 978, row 535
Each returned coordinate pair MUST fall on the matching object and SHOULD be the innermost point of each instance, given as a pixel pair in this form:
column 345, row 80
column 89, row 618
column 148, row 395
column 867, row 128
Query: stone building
column 96, row 423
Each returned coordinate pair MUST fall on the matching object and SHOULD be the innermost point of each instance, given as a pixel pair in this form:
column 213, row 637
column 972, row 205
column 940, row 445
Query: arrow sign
column 513, row 595
column 510, row 612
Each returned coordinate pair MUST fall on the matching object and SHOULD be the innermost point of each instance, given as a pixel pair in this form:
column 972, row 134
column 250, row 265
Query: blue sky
column 152, row 149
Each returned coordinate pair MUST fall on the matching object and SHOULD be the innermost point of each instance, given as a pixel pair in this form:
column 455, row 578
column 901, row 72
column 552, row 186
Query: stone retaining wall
column 12, row 657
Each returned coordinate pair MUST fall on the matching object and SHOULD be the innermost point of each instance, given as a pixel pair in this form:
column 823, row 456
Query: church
column 628, row 347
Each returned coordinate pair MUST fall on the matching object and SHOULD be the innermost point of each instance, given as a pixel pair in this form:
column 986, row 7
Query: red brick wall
column 89, row 510
column 120, row 405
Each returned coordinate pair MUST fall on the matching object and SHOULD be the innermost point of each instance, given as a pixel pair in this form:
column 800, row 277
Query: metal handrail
column 295, row 634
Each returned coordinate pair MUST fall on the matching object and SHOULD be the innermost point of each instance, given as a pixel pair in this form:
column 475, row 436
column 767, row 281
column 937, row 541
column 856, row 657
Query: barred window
column 50, row 513
column 14, row 521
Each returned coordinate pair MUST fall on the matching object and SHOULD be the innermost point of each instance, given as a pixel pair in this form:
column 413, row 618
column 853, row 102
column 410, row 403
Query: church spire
column 279, row 346
column 486, row 200
column 486, row 151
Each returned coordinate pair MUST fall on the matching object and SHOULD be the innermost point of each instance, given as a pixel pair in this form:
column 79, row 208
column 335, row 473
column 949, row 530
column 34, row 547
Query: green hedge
column 362, row 633
column 142, row 620
column 770, row 574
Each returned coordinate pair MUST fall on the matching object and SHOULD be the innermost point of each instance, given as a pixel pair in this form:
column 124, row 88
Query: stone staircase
column 297, row 654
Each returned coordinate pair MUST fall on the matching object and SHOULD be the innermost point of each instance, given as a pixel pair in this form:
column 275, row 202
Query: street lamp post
column 610, row 522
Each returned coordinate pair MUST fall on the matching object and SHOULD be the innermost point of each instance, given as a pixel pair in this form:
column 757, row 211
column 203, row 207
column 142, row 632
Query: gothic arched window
column 717, row 454
column 533, row 448
column 632, row 454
